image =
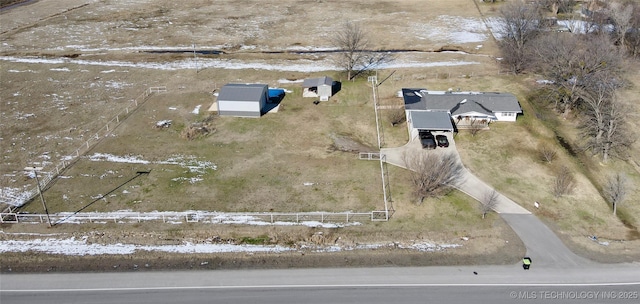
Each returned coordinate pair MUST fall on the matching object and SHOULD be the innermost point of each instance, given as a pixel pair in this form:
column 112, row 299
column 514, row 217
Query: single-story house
column 242, row 100
column 318, row 87
column 461, row 107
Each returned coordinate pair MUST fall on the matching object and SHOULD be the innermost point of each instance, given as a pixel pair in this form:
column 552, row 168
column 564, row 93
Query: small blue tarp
column 276, row 93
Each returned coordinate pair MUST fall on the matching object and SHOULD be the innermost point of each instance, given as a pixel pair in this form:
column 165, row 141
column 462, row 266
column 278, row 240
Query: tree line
column 584, row 66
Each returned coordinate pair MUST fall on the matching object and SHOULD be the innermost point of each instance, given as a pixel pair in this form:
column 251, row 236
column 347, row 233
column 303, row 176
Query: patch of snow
column 173, row 108
column 290, row 81
column 191, row 180
column 60, row 69
column 451, row 29
column 196, row 110
column 75, row 247
column 164, row 123
column 108, row 71
column 117, row 159
column 302, row 65
column 544, row 81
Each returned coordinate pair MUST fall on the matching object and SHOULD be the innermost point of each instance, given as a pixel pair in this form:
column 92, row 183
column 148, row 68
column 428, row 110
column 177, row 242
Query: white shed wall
column 238, row 106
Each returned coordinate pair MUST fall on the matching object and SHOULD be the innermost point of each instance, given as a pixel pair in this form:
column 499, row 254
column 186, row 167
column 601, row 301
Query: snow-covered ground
column 301, row 65
column 80, row 247
column 72, row 246
column 309, row 219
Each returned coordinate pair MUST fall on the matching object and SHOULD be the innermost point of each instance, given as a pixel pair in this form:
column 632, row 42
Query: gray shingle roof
column 482, row 102
column 242, row 92
column 467, row 106
column 316, row 82
column 431, row 120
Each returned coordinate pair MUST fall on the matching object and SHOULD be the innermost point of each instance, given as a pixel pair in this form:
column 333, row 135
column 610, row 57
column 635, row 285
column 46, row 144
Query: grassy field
column 92, row 60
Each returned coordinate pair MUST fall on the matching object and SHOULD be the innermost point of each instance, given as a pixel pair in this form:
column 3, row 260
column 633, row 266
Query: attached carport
column 434, row 121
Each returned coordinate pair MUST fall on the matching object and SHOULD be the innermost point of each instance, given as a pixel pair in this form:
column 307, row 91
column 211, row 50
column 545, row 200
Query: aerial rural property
column 157, row 134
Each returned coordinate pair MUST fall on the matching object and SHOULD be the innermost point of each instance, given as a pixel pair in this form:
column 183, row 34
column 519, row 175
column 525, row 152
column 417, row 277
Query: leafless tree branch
column 615, row 190
column 433, row 174
column 564, row 182
column 489, row 202
column 355, row 51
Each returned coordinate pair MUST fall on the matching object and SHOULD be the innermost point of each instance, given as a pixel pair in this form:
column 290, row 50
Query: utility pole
column 44, row 205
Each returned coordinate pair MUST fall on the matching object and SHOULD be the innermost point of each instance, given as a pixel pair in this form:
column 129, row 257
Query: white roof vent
column 464, row 100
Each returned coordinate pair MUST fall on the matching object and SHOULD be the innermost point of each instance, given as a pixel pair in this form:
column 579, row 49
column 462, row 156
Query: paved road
column 543, row 246
column 492, row 284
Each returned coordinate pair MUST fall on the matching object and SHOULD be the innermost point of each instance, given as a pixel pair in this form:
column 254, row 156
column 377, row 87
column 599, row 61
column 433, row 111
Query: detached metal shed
column 318, row 87
column 242, row 100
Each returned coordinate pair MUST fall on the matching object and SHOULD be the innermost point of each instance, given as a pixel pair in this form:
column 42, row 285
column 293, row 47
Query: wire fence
column 18, row 199
column 251, row 218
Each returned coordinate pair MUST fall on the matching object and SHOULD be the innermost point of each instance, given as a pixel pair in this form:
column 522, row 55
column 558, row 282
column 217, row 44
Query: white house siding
column 411, row 130
column 506, row 116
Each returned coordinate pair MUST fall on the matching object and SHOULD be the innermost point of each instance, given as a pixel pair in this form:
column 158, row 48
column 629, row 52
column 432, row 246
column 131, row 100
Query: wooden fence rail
column 258, row 218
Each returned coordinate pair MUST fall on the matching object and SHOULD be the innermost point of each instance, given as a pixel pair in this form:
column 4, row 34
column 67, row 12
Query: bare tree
column 564, row 182
column 622, row 16
column 396, row 116
column 615, row 190
column 354, row 50
column 632, row 36
column 547, row 153
column 433, row 174
column 520, row 25
column 475, row 126
column 557, row 6
column 596, row 101
column 605, row 119
column 489, row 202
column 617, row 138
column 633, row 41
column 573, row 63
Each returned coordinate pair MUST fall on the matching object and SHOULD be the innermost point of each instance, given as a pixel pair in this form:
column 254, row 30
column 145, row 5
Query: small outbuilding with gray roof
column 242, row 100
column 318, row 87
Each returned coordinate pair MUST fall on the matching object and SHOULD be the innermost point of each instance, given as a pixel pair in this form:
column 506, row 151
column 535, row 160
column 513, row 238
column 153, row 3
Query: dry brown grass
column 262, row 163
